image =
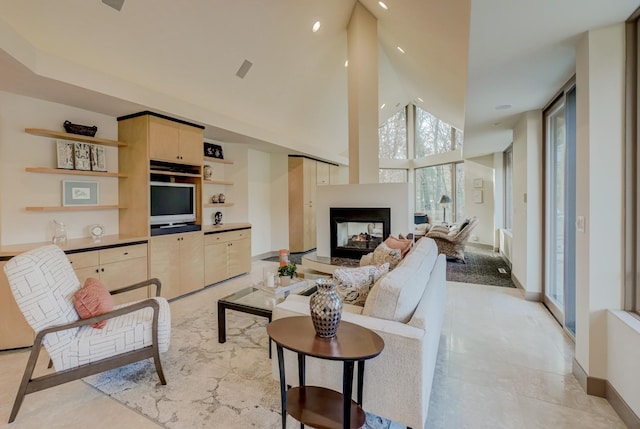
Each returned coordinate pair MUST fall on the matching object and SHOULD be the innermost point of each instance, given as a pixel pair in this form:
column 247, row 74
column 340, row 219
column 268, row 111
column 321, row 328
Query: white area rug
column 209, row 385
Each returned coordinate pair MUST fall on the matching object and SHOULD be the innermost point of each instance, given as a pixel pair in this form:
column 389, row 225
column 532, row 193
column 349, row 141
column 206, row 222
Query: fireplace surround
column 356, row 231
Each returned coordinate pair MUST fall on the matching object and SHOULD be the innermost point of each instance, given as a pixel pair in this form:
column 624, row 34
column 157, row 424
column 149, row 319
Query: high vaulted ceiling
column 462, row 58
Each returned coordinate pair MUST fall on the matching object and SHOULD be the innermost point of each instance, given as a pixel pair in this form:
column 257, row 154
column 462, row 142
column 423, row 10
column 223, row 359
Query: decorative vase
column 326, row 308
column 208, row 172
column 214, row 198
column 221, row 198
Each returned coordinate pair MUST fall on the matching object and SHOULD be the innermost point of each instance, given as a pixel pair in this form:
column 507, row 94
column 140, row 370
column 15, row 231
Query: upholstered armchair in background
column 43, row 285
column 452, row 241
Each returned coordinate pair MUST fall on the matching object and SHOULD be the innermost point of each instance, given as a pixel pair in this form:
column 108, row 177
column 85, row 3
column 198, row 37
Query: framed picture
column 477, row 196
column 477, row 183
column 98, row 158
column 213, row 150
column 65, row 154
column 78, row 193
column 82, row 156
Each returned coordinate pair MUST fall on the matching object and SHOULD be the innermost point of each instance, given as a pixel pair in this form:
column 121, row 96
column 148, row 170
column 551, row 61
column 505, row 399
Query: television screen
column 172, row 202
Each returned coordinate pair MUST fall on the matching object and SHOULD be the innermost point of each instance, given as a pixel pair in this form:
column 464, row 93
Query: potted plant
column 287, row 270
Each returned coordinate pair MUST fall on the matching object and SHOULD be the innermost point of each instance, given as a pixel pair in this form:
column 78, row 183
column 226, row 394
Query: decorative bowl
column 83, row 130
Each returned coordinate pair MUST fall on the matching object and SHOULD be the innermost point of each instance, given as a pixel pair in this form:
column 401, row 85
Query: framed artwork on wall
column 79, row 193
column 477, row 196
column 477, row 183
column 64, row 154
column 98, row 158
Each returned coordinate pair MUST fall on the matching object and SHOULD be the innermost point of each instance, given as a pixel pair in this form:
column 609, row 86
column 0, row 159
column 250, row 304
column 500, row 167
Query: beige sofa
column 397, row 383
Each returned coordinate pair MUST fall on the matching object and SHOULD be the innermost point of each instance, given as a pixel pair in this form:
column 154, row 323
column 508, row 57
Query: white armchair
column 43, row 283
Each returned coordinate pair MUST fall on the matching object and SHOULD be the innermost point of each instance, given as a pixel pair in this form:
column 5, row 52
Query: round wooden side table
column 320, row 407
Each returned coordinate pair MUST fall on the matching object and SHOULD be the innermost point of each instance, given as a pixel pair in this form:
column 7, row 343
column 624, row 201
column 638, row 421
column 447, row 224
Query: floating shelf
column 219, row 182
column 173, row 173
column 218, row 205
column 73, row 172
column 218, row 160
column 74, row 137
column 72, row 208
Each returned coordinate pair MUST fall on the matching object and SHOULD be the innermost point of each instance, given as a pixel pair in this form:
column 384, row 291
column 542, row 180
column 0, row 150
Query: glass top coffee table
column 258, row 301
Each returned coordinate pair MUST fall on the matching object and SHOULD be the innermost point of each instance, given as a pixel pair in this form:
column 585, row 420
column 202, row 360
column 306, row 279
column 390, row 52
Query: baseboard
column 621, row 407
column 480, row 245
column 528, row 295
column 265, row 255
column 599, row 387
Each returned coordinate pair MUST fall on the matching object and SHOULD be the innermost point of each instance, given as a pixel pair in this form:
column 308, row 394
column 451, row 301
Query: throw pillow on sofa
column 384, row 253
column 93, row 299
column 403, row 244
column 353, row 284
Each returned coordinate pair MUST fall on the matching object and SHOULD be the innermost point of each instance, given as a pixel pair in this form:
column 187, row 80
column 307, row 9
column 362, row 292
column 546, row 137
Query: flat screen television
column 172, row 203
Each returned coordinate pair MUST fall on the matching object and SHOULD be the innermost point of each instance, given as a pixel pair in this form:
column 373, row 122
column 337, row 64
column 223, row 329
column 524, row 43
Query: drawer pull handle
column 126, row 253
column 97, row 270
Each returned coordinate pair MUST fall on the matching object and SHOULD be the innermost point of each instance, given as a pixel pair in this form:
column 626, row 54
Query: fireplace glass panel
column 359, row 235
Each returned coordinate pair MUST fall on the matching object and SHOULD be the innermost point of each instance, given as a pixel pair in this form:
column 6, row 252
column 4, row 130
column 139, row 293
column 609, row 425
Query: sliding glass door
column 559, row 291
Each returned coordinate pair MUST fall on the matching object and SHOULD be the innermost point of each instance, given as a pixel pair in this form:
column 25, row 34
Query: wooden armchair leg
column 26, row 378
column 156, row 361
column 50, row 364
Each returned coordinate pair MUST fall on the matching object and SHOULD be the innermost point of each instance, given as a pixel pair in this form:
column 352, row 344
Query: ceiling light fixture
column 420, row 100
column 400, row 49
column 346, row 63
column 316, row 27
column 504, row 106
column 383, row 5
column 382, row 107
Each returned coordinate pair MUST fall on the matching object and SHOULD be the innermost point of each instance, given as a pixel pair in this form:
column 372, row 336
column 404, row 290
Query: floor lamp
column 444, row 201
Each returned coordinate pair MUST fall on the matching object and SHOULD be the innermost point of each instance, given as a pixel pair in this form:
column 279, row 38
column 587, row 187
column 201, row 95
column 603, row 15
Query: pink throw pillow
column 404, row 245
column 93, row 299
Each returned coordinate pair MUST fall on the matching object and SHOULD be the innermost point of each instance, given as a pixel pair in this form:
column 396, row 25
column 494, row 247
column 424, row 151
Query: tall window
column 434, row 136
column 508, row 187
column 392, row 137
column 392, row 175
column 432, row 183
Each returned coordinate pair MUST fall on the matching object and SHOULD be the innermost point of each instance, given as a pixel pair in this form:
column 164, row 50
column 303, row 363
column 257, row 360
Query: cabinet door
column 310, row 177
column 85, row 272
column 215, row 263
column 239, row 252
column 334, row 174
column 14, row 330
column 322, row 173
column 191, row 262
column 163, row 140
column 125, row 273
column 191, row 145
column 165, row 263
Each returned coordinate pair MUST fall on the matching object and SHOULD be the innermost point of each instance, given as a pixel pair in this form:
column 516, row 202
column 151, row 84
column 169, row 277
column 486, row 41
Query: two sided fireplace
column 357, row 231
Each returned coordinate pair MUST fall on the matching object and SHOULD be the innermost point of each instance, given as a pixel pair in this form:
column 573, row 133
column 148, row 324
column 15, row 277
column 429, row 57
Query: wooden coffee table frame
column 320, row 407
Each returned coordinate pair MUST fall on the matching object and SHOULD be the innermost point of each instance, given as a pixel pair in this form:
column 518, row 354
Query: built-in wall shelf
column 73, row 172
column 174, row 173
column 219, row 182
column 218, row 205
column 73, row 137
column 218, row 160
column 71, row 208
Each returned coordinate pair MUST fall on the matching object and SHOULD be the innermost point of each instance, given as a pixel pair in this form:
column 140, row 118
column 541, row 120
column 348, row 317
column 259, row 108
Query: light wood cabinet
column 174, row 142
column 177, row 260
column 334, row 174
column 322, row 173
column 116, row 267
column 227, row 254
column 302, row 210
column 14, row 330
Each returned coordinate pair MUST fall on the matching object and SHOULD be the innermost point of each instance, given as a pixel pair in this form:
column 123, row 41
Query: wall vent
column 116, row 4
column 244, row 69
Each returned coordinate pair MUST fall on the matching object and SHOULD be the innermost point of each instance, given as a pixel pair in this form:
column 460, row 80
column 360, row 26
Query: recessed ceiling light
column 420, row 100
column 495, row 124
column 316, row 26
column 346, row 63
column 400, row 49
column 383, row 5
column 382, row 107
column 504, row 106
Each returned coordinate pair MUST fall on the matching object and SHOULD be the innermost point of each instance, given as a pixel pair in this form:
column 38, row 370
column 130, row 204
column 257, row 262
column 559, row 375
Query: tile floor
column 503, row 363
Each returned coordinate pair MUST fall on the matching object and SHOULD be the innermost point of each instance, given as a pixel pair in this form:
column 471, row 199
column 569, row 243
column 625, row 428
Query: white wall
column 527, row 204
column 623, row 355
column 19, row 150
column 600, row 79
column 279, row 201
column 480, row 168
column 498, row 198
column 398, row 196
column 259, row 198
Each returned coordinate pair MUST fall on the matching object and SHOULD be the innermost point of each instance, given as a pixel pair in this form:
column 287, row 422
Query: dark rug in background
column 481, row 268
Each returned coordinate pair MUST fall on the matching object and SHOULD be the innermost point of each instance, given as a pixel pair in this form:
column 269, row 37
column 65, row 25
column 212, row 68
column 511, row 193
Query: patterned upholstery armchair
column 452, row 241
column 43, row 284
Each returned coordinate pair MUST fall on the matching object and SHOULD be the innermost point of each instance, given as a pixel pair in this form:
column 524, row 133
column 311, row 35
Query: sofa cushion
column 353, row 284
column 384, row 253
column 396, row 295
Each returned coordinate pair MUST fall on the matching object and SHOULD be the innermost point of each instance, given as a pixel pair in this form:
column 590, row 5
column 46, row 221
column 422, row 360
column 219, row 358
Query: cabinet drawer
column 83, row 259
column 116, row 254
column 223, row 237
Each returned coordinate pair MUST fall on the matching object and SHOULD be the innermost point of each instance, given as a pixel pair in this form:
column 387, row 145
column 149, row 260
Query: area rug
column 209, row 385
column 483, row 266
